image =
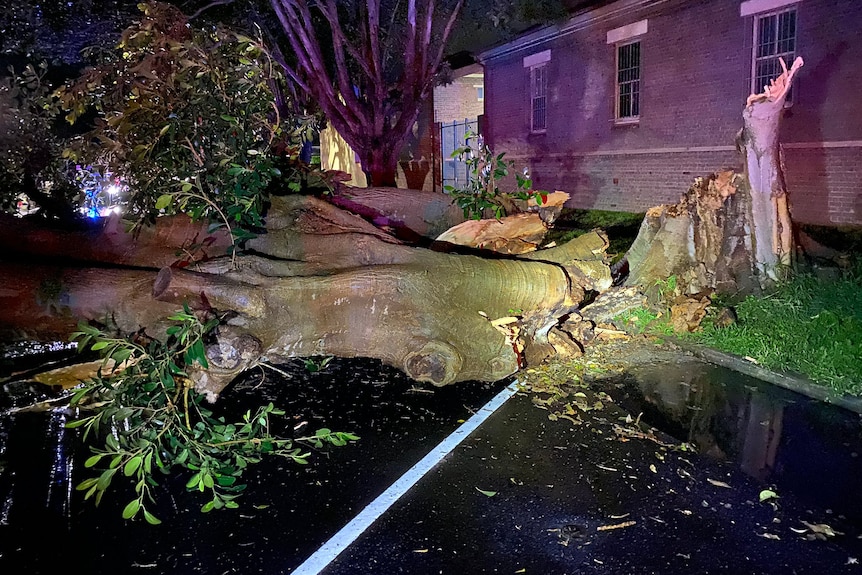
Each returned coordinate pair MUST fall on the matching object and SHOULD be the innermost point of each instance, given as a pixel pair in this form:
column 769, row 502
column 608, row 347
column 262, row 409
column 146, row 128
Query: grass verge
column 809, row 325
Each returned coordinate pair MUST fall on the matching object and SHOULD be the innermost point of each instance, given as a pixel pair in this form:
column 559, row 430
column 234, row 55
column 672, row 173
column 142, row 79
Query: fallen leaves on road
column 819, row 531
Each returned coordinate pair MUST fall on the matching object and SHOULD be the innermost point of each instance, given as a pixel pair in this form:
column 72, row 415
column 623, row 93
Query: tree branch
column 296, row 21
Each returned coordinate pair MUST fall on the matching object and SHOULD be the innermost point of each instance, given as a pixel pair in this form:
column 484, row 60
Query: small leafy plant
column 666, row 289
column 316, row 366
column 487, row 172
column 149, row 419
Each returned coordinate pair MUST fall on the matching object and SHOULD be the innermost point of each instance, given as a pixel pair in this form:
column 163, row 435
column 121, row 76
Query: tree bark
column 772, row 234
column 704, row 241
column 323, row 281
column 730, row 232
column 176, row 241
column 415, row 216
column 382, row 162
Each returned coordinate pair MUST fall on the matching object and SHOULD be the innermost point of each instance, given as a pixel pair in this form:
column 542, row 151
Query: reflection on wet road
column 775, row 436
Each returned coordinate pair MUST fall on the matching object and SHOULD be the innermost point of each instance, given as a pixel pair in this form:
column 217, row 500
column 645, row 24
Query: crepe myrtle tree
column 369, row 64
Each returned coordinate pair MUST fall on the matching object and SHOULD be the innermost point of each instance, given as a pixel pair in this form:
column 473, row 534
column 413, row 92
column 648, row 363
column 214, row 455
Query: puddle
column 775, row 436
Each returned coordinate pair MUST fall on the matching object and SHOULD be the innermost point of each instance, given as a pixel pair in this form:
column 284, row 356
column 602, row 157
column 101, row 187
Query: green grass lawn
column 808, row 325
column 811, row 324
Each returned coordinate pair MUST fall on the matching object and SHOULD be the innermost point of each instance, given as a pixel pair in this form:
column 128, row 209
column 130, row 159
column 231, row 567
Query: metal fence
column 453, row 136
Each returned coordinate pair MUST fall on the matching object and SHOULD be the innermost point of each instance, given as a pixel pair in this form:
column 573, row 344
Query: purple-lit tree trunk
column 772, row 234
column 383, row 69
column 731, row 232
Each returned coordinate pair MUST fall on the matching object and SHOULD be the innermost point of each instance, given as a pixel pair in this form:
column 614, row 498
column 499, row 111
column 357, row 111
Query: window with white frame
column 628, row 81
column 538, row 98
column 626, row 41
column 774, row 38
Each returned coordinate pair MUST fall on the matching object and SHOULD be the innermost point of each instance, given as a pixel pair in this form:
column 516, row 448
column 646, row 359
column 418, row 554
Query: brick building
column 463, row 98
column 624, row 104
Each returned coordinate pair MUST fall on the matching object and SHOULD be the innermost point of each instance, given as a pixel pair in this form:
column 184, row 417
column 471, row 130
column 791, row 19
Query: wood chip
column 616, row 526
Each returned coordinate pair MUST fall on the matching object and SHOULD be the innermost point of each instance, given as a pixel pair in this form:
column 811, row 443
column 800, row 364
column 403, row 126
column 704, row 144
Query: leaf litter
column 571, row 390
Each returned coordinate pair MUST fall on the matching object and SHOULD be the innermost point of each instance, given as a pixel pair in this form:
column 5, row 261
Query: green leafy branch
column 148, row 419
column 192, row 199
column 487, row 171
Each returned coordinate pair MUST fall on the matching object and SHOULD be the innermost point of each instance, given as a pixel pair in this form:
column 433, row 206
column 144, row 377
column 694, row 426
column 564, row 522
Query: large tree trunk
column 415, row 216
column 381, row 163
column 323, row 281
column 730, row 232
column 704, row 240
column 772, row 234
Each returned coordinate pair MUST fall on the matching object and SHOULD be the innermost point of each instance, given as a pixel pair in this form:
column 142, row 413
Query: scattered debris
column 567, row 533
column 607, row 333
column 686, row 315
column 769, row 536
column 626, row 433
column 820, row 531
column 616, row 526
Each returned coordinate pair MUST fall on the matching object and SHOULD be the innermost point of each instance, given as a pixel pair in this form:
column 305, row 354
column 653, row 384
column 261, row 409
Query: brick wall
column 695, row 76
column 825, row 184
column 627, row 182
column 458, row 100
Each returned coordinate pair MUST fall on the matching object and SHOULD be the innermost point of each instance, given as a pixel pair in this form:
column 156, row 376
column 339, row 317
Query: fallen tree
column 320, row 281
column 315, row 279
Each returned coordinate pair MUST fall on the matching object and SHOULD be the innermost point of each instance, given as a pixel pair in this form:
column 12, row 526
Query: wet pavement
column 665, row 478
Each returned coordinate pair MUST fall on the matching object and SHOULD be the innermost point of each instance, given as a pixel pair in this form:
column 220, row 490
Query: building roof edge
column 577, row 22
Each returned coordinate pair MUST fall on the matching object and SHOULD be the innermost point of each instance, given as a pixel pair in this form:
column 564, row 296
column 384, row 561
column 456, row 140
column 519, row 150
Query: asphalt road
column 663, row 475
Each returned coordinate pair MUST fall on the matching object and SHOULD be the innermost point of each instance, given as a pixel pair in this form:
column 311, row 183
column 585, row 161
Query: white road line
column 327, row 553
